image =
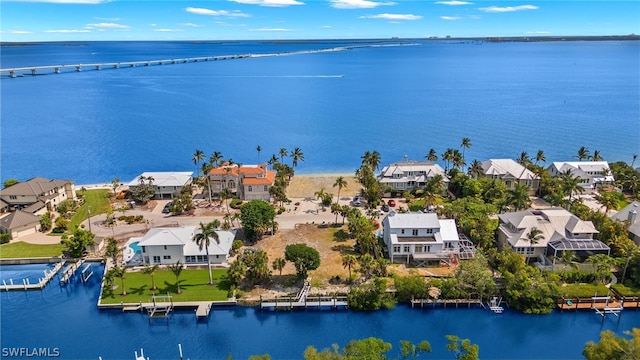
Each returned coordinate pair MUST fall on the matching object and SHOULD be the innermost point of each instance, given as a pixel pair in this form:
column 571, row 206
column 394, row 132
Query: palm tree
column 348, row 261
column 176, row 269
column 596, row 156
column 121, row 273
column 601, row 265
column 524, row 159
column 278, row 264
column 340, row 183
column 607, row 201
column 466, row 144
column 258, row 149
column 533, row 237
column 371, row 158
column 432, row 155
column 629, row 250
column 457, row 159
column 203, row 240
column 296, row 155
column 540, row 157
column 197, row 157
column 215, row 159
column 568, row 258
column 447, row 156
column 366, row 264
column 634, row 158
column 150, row 270
column 115, row 183
column 283, row 152
column 519, row 196
column 273, row 160
column 583, row 153
column 570, row 184
column 476, row 169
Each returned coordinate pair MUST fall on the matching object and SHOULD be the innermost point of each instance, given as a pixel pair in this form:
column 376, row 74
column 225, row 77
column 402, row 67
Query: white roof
column 402, row 168
column 581, row 168
column 183, row 236
column 448, row 230
column 176, row 178
column 412, row 220
column 507, row 168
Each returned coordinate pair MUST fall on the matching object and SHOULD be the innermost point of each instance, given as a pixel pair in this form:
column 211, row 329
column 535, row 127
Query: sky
column 102, row 20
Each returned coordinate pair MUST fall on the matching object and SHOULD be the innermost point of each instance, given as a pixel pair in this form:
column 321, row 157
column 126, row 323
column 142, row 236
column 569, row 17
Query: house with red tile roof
column 247, row 182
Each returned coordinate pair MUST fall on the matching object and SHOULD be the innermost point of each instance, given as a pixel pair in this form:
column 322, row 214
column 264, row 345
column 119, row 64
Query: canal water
column 66, row 321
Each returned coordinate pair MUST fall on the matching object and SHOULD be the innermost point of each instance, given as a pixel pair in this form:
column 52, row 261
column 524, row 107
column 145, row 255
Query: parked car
column 356, row 203
column 167, row 207
column 385, row 208
column 391, row 203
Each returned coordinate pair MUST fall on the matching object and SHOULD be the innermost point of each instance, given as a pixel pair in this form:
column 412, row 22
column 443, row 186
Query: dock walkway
column 292, row 303
column 25, row 285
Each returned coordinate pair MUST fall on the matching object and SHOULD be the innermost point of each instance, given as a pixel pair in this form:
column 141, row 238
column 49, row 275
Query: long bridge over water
column 57, row 69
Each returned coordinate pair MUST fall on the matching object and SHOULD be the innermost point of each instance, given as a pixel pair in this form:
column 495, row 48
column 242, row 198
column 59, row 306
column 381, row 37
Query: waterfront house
column 165, row 246
column 591, row 173
column 38, row 195
column 166, row 184
column 19, row 223
column 421, row 238
column 408, row 175
column 247, row 182
column 510, row 173
column 559, row 229
column 630, row 215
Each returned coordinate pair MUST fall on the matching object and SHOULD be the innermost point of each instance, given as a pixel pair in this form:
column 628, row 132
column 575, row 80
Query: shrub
column 577, row 276
column 281, row 210
column 235, row 246
column 624, row 290
column 235, row 203
column 5, row 238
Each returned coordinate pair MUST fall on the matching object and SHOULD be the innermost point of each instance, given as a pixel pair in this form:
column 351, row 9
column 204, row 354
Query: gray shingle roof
column 18, row 219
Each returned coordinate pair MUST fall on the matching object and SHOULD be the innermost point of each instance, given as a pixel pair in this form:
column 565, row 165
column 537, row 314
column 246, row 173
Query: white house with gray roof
column 165, row 246
column 591, row 173
column 511, row 173
column 422, row 237
column 560, row 231
column 408, row 175
column 630, row 215
column 166, row 184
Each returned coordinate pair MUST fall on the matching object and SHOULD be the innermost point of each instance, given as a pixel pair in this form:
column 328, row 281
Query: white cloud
column 66, row 31
column 270, row 3
column 502, row 9
column 392, row 17
column 168, row 30
column 190, row 25
column 106, row 26
column 454, row 3
column 153, row 24
column 358, row 4
column 327, row 27
column 209, row 12
column 19, row 32
column 270, row 29
column 90, row 2
column 450, row 17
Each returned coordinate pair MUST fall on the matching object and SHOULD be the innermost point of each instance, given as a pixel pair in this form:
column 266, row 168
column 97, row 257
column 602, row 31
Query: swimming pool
column 135, row 247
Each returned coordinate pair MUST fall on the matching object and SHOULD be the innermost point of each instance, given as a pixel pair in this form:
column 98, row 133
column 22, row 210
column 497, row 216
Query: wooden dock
column 446, row 302
column 25, row 285
column 308, row 302
column 66, row 277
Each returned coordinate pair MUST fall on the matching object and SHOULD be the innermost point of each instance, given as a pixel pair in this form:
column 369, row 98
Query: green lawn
column 97, row 200
column 626, row 290
column 583, row 290
column 24, row 250
column 193, row 284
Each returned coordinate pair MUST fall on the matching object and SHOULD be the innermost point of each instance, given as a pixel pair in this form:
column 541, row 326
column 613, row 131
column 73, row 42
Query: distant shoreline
column 436, row 38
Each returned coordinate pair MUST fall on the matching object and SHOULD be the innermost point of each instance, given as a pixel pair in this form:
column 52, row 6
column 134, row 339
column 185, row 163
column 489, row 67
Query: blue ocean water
column 32, row 272
column 93, row 126
column 67, row 319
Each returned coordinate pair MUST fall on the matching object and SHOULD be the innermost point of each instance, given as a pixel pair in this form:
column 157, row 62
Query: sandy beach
column 305, row 185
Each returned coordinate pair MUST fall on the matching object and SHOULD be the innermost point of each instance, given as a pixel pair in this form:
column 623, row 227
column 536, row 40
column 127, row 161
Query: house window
column 406, row 249
column 156, row 259
column 165, row 247
column 189, row 259
column 418, row 248
column 250, row 188
column 13, row 197
column 167, row 257
column 429, row 231
column 144, row 249
column 266, row 188
column 402, row 231
column 428, row 248
column 414, row 232
column 396, row 248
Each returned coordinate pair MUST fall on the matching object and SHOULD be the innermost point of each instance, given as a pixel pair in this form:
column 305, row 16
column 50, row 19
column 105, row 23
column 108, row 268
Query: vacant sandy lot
column 303, row 186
